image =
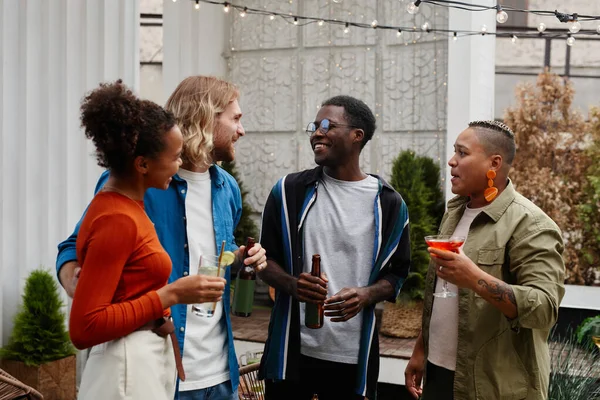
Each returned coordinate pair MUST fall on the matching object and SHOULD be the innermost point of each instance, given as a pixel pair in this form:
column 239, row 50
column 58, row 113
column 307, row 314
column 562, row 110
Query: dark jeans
column 329, row 380
column 439, row 384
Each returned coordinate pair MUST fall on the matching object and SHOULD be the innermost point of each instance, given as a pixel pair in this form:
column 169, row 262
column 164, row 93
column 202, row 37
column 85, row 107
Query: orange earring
column 491, row 192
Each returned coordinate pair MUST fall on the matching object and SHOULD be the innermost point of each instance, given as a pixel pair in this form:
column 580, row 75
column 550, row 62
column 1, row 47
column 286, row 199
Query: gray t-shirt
column 340, row 227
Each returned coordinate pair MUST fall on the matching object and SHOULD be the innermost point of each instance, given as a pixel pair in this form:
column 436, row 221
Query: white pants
column 139, row 366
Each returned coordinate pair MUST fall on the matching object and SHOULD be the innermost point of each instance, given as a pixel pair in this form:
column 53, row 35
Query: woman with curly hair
column 121, row 306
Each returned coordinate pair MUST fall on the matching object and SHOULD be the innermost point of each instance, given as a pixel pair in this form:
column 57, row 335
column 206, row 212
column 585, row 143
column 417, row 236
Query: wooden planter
column 56, row 380
column 402, row 320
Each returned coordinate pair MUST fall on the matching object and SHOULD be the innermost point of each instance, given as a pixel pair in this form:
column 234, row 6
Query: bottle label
column 311, row 315
column 243, row 298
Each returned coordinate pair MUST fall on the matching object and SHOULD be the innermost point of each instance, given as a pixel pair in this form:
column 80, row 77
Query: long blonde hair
column 196, row 103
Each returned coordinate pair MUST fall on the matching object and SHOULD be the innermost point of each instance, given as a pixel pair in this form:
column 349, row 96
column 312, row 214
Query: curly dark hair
column 357, row 114
column 496, row 137
column 122, row 126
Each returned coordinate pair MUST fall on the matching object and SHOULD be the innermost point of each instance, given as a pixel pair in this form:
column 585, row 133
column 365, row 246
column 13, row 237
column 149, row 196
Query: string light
column 454, row 37
column 174, row 1
column 197, row 6
column 570, row 41
column 575, row 27
column 501, row 15
column 598, row 29
column 425, row 27
column 399, row 33
column 514, row 39
column 541, row 27
column 413, row 7
column 573, row 19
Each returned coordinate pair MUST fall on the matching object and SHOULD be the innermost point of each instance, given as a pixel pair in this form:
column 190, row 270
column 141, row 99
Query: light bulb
column 454, row 37
column 374, row 23
column 399, row 33
column 514, row 39
column 501, row 16
column 197, row 6
column 541, row 27
column 271, row 17
column 243, row 13
column 575, row 27
column 337, row 1
column 321, row 22
column 226, row 8
column 346, row 28
column 483, row 29
column 570, row 41
column 598, row 29
column 411, row 8
column 174, row 1
column 295, row 21
column 425, row 27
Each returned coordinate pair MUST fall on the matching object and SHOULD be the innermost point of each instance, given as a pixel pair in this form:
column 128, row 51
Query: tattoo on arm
column 499, row 290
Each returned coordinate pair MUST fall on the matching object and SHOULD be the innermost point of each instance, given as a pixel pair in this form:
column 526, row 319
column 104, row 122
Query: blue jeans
column 221, row 391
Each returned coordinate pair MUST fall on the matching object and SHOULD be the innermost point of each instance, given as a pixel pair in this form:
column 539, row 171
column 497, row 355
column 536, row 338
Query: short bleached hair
column 496, row 137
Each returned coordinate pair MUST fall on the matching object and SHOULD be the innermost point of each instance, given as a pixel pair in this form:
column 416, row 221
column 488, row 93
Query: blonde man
column 199, row 210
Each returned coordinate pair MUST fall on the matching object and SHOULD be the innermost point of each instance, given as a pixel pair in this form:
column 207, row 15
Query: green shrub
column 574, row 371
column 417, row 179
column 584, row 331
column 39, row 334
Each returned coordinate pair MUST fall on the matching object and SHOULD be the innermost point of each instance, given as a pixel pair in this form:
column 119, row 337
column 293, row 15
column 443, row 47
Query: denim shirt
column 166, row 208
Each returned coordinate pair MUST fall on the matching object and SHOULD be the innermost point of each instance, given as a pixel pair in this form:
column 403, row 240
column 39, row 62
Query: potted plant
column 39, row 352
column 417, row 179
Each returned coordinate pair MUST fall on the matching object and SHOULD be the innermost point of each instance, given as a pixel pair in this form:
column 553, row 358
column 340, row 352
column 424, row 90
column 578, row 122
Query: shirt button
column 185, row 246
column 182, row 329
column 185, row 273
column 182, row 191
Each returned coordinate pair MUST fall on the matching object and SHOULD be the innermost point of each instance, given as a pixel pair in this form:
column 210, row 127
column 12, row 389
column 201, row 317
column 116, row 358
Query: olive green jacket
column 498, row 358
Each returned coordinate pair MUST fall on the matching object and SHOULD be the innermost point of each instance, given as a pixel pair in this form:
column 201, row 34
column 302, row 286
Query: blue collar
column 216, row 177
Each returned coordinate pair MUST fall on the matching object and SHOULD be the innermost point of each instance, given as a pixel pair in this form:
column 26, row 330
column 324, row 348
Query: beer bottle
column 243, row 297
column 313, row 316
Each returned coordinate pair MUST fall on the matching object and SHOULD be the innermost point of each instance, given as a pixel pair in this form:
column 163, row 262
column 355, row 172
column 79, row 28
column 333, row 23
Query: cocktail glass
column 449, row 243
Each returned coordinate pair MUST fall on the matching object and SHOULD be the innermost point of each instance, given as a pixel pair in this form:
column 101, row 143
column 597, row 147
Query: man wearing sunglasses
column 359, row 226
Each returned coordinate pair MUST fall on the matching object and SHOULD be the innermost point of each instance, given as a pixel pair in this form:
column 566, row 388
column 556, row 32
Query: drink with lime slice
column 208, row 267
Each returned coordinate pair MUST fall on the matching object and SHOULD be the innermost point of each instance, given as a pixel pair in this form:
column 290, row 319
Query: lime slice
column 227, row 259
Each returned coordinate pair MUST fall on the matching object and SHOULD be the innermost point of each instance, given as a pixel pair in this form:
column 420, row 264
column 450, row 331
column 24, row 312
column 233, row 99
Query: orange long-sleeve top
column 122, row 266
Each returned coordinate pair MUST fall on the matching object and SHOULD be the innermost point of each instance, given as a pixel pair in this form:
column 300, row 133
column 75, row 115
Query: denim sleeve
column 67, row 248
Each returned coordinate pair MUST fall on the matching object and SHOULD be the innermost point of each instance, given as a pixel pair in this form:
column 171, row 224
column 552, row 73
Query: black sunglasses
column 324, row 126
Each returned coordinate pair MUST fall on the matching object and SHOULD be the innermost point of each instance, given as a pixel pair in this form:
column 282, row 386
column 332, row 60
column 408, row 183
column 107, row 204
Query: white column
column 51, row 53
column 471, row 69
column 194, row 42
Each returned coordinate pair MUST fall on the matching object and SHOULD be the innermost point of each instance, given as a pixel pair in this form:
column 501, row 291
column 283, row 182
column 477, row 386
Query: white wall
column 51, row 53
column 470, row 75
column 193, row 42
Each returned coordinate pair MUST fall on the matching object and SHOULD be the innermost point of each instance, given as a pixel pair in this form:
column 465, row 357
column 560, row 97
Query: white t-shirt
column 340, row 226
column 443, row 327
column 205, row 353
